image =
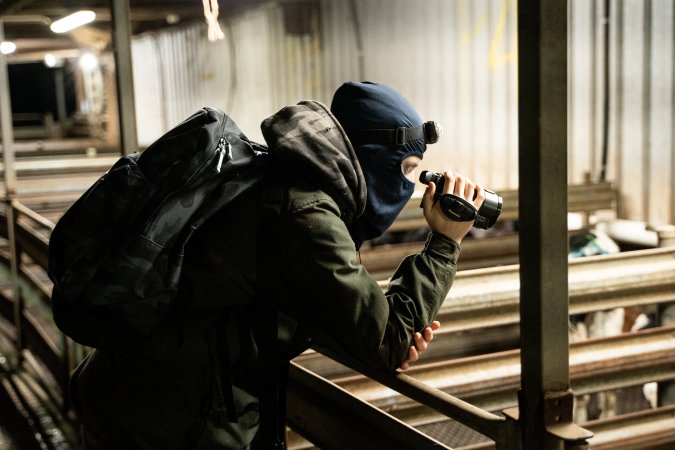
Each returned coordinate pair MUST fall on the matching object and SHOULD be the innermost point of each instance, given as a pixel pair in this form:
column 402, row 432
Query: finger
column 420, row 343
column 469, row 189
column 480, row 197
column 460, row 184
column 405, row 365
column 449, row 185
column 435, row 325
column 428, row 334
column 428, row 198
column 413, row 355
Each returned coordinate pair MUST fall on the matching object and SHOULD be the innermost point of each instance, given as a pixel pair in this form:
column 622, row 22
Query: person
column 170, row 390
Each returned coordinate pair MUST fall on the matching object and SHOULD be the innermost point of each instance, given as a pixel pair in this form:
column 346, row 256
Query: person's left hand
column 421, row 342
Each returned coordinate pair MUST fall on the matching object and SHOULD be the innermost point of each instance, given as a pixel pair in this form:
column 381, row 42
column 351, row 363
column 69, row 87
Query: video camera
column 458, row 209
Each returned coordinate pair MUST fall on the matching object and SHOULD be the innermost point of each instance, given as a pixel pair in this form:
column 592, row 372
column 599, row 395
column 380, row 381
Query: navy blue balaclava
column 367, row 106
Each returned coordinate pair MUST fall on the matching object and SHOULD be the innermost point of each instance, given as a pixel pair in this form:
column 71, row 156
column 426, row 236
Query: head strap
column 429, row 132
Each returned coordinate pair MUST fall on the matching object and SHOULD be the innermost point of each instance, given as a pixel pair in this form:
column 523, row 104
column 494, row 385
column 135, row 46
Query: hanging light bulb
column 7, row 47
column 72, row 21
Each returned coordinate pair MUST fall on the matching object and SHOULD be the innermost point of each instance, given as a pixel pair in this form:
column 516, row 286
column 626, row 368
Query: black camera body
column 459, row 209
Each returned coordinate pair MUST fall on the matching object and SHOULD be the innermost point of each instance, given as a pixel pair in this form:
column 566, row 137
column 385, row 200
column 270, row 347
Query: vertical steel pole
column 666, row 317
column 121, row 36
column 542, row 142
column 7, row 130
column 6, row 123
column 17, row 298
column 60, row 90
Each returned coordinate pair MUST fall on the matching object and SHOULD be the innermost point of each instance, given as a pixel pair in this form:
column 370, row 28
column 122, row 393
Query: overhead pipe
column 358, row 36
column 121, row 36
column 605, row 92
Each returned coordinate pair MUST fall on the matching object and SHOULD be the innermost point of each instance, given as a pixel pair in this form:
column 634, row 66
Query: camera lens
column 491, row 208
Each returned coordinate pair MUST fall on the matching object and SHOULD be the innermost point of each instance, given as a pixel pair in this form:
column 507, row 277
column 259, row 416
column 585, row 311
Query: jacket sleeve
column 341, row 305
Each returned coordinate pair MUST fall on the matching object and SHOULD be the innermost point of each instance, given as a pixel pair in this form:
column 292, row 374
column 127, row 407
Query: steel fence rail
column 490, row 297
column 327, row 414
column 420, row 392
column 490, row 381
column 642, row 430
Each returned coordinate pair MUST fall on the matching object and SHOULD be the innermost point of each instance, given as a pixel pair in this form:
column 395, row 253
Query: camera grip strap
column 456, row 208
column 460, row 210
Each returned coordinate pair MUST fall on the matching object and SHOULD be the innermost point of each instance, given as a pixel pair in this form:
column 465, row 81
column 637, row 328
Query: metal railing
column 28, row 235
column 28, row 232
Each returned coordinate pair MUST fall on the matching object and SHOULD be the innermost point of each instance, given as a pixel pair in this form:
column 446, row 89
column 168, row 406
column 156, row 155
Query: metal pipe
column 358, row 36
column 605, row 93
column 484, row 422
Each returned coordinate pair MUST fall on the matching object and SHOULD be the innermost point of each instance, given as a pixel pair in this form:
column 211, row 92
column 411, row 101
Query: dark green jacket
column 166, row 391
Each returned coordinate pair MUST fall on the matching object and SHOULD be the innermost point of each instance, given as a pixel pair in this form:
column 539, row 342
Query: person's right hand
column 460, row 186
column 422, row 341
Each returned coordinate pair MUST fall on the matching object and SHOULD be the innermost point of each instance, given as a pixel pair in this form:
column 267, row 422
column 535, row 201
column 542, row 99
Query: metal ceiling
column 26, row 22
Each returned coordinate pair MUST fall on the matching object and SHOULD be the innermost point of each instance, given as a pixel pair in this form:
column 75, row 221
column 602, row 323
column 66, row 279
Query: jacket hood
column 311, row 143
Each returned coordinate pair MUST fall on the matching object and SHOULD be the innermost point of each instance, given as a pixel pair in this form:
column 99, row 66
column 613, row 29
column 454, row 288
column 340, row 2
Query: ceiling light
column 72, row 21
column 51, row 60
column 172, row 19
column 7, row 47
column 88, row 61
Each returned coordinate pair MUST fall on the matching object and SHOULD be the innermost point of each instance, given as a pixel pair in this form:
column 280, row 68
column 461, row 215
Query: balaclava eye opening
column 368, row 106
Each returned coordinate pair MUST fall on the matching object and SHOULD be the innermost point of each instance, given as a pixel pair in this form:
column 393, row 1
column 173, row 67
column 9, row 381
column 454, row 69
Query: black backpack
column 115, row 256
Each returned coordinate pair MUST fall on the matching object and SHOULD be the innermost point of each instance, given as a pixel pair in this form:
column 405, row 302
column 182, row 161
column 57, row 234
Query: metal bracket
column 558, row 412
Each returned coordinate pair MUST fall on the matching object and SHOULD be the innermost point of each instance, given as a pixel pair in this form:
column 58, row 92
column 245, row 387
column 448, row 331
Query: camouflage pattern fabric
column 311, row 142
column 115, row 257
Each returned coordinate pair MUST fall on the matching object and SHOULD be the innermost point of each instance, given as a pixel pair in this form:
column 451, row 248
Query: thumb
column 428, row 198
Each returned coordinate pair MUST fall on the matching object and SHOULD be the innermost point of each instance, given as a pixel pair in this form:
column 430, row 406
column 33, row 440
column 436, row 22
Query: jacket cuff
column 441, row 245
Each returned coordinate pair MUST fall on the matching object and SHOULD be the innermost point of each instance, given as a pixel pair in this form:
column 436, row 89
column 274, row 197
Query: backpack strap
column 273, row 372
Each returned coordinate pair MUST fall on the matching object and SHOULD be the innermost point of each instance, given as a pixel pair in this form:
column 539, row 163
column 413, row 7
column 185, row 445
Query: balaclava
column 368, row 106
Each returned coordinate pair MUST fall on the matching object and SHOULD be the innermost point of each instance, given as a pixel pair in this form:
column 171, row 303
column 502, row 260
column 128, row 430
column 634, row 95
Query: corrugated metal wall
column 456, row 61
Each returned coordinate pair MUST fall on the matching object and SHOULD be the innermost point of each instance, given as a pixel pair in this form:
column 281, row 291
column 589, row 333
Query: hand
column 421, row 342
column 460, row 186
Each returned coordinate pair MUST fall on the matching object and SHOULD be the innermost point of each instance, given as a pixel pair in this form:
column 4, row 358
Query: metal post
column 10, row 187
column 60, row 90
column 6, row 123
column 545, row 403
column 121, row 36
column 666, row 317
column 17, row 298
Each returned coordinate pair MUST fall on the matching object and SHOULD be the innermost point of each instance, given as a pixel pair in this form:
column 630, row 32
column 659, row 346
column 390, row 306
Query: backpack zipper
column 221, row 154
column 222, row 142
